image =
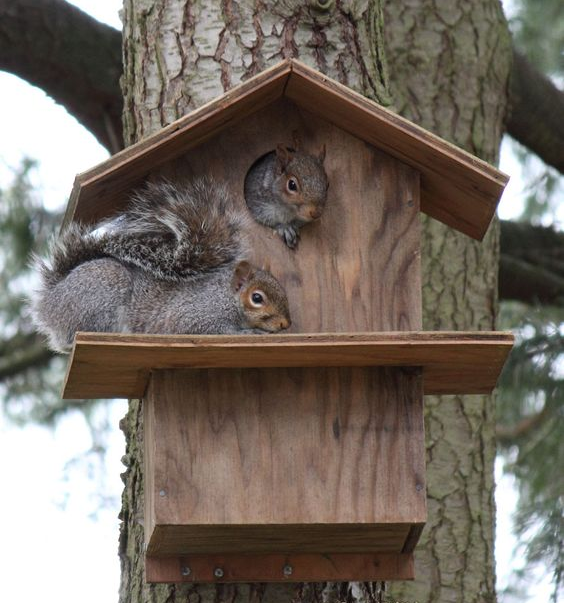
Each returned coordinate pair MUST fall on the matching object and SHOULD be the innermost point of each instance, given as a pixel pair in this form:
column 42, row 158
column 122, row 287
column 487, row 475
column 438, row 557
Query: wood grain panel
column 309, row 460
column 280, row 568
column 358, row 267
column 105, row 365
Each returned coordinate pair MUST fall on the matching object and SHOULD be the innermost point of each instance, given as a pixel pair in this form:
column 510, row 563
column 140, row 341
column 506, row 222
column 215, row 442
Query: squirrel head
column 302, row 182
column 262, row 300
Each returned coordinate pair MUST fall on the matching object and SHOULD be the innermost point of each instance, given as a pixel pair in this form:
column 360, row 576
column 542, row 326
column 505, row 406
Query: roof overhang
column 457, row 188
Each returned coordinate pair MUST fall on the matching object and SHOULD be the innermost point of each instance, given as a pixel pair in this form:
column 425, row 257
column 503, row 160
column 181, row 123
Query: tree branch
column 31, row 357
column 531, row 264
column 506, row 436
column 71, row 56
column 537, row 107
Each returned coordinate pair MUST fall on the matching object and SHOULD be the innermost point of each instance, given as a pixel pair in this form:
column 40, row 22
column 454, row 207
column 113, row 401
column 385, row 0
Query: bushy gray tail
column 75, row 246
column 176, row 231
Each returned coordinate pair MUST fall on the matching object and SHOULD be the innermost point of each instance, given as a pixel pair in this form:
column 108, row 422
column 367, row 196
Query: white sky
column 48, row 552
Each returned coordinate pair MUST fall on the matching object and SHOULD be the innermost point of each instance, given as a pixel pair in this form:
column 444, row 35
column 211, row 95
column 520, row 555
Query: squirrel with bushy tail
column 173, row 262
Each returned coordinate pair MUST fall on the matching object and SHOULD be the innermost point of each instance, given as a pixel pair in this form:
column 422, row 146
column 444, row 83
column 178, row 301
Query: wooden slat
column 106, row 365
column 456, row 187
column 365, row 567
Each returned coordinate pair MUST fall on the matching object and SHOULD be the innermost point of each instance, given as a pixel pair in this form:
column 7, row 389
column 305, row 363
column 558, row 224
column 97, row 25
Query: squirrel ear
column 297, row 140
column 322, row 153
column 284, row 156
column 243, row 273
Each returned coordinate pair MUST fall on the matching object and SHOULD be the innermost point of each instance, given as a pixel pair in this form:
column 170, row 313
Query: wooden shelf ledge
column 108, row 365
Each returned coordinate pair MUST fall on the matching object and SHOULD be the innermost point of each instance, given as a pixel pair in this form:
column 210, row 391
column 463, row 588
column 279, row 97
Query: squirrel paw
column 290, row 235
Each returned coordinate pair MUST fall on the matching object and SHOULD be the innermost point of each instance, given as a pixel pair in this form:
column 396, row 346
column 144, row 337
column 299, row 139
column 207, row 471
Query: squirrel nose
column 314, row 213
column 285, row 323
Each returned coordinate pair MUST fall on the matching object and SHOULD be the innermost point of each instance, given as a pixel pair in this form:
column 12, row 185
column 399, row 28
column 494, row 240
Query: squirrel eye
column 292, row 185
column 257, row 299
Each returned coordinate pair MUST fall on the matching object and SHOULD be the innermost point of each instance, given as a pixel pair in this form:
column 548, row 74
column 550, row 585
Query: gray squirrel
column 173, row 262
column 286, row 189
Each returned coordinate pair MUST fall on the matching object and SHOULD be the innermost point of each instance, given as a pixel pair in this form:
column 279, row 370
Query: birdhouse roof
column 457, row 188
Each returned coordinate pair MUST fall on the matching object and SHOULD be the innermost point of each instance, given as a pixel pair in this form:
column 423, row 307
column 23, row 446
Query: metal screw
column 218, row 572
column 419, row 487
column 288, row 570
column 185, row 571
column 162, row 493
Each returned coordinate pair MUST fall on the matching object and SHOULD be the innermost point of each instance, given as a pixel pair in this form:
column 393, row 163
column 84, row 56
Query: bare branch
column 536, row 112
column 508, row 435
column 30, row 357
column 71, row 56
column 531, row 264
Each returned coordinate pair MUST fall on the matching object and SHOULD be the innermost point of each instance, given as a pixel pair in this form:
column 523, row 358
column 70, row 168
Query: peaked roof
column 457, row 188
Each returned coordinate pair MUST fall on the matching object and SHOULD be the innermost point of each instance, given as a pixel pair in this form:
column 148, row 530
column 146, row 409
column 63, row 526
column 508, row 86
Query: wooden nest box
column 300, row 456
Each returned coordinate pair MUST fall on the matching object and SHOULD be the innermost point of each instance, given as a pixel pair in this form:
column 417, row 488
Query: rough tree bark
column 449, row 66
column 450, row 73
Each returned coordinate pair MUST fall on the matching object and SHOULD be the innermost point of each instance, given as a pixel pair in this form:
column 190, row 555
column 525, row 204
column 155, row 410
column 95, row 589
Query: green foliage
column 530, row 427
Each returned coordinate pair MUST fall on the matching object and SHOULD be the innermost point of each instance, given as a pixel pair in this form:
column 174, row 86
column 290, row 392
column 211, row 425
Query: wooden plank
column 457, row 188
column 330, row 458
column 106, row 365
column 182, row 539
column 362, row 567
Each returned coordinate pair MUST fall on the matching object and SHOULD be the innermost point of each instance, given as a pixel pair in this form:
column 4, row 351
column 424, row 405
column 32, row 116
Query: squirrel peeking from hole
column 286, row 189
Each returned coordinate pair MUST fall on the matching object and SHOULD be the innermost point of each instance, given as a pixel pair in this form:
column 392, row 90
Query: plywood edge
column 280, row 567
column 413, row 537
column 106, row 365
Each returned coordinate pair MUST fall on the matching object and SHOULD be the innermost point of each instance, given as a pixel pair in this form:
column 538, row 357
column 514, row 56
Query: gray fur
column 181, row 282
column 270, row 202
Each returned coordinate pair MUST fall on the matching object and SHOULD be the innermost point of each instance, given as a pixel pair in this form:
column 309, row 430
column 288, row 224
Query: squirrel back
column 286, row 189
column 176, row 231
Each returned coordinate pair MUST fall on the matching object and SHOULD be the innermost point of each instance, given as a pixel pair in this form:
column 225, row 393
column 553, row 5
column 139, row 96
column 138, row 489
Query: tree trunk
column 178, row 55
column 449, row 68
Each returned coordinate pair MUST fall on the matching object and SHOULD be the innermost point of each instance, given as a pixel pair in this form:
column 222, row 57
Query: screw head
column 185, row 570
column 288, row 570
column 162, row 492
column 218, row 572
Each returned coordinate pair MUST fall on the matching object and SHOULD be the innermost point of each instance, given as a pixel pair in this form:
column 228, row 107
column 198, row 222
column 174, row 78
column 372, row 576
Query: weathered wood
column 105, row 365
column 457, row 188
column 358, row 267
column 280, row 568
column 331, row 459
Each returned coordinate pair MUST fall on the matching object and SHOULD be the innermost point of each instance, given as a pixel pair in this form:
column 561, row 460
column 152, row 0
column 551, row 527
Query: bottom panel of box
column 171, row 540
column 280, row 567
